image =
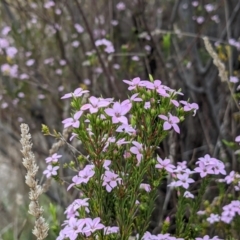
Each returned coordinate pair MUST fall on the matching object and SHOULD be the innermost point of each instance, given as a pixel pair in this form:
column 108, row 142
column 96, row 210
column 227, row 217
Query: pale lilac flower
column 49, row 4
column 72, row 136
column 137, row 149
column 146, row 187
column 78, row 28
column 126, row 128
column 201, row 212
column 24, row 76
column 209, row 7
column 195, row 3
column 234, row 79
column 87, row 81
column 50, row 171
column 187, row 194
column 58, row 71
column 95, row 104
column 6, row 30
column 83, row 176
column 134, row 98
column 11, row 52
column 135, row 58
column 106, row 164
column 4, row 105
column 4, row 43
column 110, row 230
column 174, row 102
column 200, row 20
column 62, row 62
column 30, row 62
column 74, row 227
column 92, row 225
column 147, row 105
column 77, row 93
column 54, row 158
column 170, row 122
column 209, row 165
column 58, row 11
column 116, row 66
column 190, row 106
column 48, row 61
column 71, row 210
column 75, row 43
column 230, row 177
column 213, row 218
column 133, row 84
column 215, row 18
column 21, row 95
column 60, row 88
column 237, row 139
column 184, row 180
column 203, row 170
column 114, row 22
column 74, row 121
column 110, row 180
column 121, row 6
column 121, row 142
column 117, row 113
column 165, row 164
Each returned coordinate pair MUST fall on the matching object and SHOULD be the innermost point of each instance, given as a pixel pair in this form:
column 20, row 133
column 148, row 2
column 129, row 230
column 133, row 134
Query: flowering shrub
column 118, row 178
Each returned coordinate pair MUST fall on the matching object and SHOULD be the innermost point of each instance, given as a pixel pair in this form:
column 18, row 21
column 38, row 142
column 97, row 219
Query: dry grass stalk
column 41, row 227
column 217, row 62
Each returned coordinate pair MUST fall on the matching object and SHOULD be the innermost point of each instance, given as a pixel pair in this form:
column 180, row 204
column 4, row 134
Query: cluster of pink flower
column 52, row 169
column 206, row 166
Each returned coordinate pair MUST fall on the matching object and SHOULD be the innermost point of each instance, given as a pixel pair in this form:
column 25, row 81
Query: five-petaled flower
column 95, row 104
column 110, row 180
column 170, row 122
column 165, row 164
column 117, row 112
column 51, row 171
column 74, row 121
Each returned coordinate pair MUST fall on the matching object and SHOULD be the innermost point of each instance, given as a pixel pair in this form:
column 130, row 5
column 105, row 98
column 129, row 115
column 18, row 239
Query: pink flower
column 213, row 218
column 71, row 210
column 170, row 122
column 121, row 6
column 184, row 180
column 110, row 230
column 49, row 4
column 133, row 84
column 54, row 158
column 11, row 52
column 92, row 225
column 117, row 112
column 110, row 180
column 189, row 107
column 95, row 104
column 78, row 28
column 126, row 128
column 187, row 194
column 74, row 122
column 83, row 176
column 137, row 149
column 165, row 164
column 234, row 79
column 50, row 171
column 145, row 186
column 237, row 139
column 77, row 93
